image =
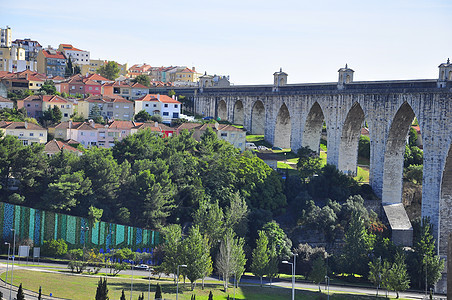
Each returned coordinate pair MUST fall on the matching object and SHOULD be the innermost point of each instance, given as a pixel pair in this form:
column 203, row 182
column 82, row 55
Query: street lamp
column 84, row 229
column 12, row 264
column 7, row 263
column 177, row 280
column 131, row 283
column 293, row 265
column 327, row 279
column 149, row 287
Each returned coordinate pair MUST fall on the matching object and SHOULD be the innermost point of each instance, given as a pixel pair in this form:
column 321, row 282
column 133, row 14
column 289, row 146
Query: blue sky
column 250, row 39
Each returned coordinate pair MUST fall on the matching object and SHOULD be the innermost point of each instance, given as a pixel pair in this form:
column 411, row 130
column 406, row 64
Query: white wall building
column 79, row 57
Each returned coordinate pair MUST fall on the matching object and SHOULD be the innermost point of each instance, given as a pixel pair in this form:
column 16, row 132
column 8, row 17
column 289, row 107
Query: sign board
column 36, row 252
column 24, row 251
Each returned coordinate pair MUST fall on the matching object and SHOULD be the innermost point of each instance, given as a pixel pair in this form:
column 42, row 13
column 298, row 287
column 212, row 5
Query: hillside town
column 95, row 110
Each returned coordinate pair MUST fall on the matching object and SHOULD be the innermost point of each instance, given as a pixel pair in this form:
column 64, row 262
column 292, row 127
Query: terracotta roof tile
column 58, row 54
column 56, row 146
column 5, row 100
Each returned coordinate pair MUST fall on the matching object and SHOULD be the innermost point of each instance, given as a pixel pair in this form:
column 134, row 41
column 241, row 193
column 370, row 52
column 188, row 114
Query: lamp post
column 425, row 259
column 131, row 283
column 149, row 287
column 177, row 280
column 12, row 264
column 84, row 229
column 7, row 263
column 293, row 276
column 327, row 280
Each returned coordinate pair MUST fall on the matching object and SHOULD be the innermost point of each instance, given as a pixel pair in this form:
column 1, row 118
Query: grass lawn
column 83, row 287
column 363, row 175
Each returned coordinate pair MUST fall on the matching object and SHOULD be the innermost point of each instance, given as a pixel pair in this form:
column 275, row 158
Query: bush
column 54, row 248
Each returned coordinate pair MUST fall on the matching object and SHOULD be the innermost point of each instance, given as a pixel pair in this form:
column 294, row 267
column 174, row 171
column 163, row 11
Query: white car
column 142, row 267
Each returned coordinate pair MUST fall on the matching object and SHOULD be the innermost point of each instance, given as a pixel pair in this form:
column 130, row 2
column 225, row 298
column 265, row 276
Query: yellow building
column 28, row 133
column 95, row 64
column 66, row 107
column 187, row 74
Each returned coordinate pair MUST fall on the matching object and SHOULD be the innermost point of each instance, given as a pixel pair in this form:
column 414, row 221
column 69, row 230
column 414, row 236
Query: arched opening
column 258, row 118
column 445, row 204
column 222, row 111
column 394, row 154
column 239, row 113
column 283, row 128
column 351, row 132
column 450, row 75
column 347, row 80
column 313, row 128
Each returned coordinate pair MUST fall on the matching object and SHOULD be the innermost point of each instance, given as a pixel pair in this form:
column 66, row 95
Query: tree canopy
column 110, row 70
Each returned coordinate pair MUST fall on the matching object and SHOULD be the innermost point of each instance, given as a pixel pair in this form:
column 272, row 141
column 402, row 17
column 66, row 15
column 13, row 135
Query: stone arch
column 450, row 75
column 283, row 128
column 394, row 153
column 351, row 131
column 239, row 112
column 222, row 111
column 313, row 128
column 258, row 118
column 446, row 202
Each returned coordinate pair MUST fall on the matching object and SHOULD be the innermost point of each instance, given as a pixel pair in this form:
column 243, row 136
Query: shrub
column 54, row 248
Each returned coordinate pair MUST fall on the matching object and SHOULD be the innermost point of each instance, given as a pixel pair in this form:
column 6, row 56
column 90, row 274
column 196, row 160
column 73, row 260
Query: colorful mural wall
column 39, row 226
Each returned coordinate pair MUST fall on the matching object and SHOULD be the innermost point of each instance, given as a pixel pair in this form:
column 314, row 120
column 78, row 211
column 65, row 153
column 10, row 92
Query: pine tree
column 123, row 296
column 158, row 292
column 210, row 296
column 102, row 290
column 20, row 293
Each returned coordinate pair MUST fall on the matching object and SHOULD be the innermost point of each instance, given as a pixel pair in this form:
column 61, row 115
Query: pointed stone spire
column 346, row 66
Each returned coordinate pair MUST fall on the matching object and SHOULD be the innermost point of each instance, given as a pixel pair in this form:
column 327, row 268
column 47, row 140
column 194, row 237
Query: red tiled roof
column 97, row 77
column 167, row 99
column 148, row 97
column 121, row 84
column 55, row 146
column 5, row 100
column 137, row 85
column 90, row 82
column 121, row 125
column 69, row 47
column 53, row 99
column 58, row 54
column 21, row 125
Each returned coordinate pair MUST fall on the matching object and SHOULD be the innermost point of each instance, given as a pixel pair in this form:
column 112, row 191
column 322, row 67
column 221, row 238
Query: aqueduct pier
column 292, row 115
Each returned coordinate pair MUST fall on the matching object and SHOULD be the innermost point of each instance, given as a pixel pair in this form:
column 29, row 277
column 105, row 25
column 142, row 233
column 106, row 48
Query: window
column 102, row 134
column 117, row 106
column 146, row 105
column 175, row 105
column 166, row 105
column 165, row 113
column 155, row 105
column 109, row 114
column 32, row 134
column 66, row 115
column 175, row 115
column 28, row 105
column 36, row 105
column 62, row 106
column 73, row 87
column 123, row 132
column 126, row 106
column 21, row 134
column 91, row 134
column 68, row 106
column 224, row 134
column 232, row 135
column 82, row 133
column 25, row 142
column 42, row 134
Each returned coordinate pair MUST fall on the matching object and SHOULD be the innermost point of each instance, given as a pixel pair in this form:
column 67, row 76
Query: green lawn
column 83, row 287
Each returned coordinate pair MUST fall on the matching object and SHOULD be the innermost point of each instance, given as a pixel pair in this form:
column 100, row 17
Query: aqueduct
column 292, row 115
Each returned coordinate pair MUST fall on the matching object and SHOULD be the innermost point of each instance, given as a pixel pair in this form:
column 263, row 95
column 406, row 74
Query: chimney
column 194, row 69
column 26, row 124
column 91, row 123
column 158, row 97
column 156, row 124
column 70, row 124
column 173, row 97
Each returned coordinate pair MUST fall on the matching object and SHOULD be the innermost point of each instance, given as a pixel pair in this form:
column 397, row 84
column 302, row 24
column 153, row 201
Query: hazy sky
column 249, row 39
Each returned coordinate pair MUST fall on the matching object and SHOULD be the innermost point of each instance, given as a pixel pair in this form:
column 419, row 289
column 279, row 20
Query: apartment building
column 26, row 132
column 51, row 62
column 77, row 56
column 109, row 107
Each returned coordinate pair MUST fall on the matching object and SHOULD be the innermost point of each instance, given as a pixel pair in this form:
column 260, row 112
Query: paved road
column 245, row 280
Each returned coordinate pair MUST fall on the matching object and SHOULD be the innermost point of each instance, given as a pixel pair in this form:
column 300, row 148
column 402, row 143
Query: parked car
column 262, row 148
column 276, row 148
column 208, row 118
column 142, row 267
column 250, row 146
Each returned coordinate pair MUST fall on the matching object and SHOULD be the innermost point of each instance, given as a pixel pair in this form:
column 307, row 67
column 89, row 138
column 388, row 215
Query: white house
column 167, row 107
column 6, row 103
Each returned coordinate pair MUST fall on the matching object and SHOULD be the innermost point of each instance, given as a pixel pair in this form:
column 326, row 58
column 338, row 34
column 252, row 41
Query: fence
column 39, row 226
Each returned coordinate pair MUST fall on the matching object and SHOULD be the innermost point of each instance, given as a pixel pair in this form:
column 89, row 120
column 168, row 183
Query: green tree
column 260, row 256
column 48, row 88
column 309, row 163
column 142, row 79
column 196, row 254
column 54, row 248
column 156, row 118
column 158, row 292
column 273, row 263
column 231, row 257
column 172, row 247
column 358, row 244
column 364, row 147
column 414, row 173
column 69, row 70
column 110, row 70
column 318, row 271
column 102, row 290
column 51, row 116
column 278, row 238
column 20, row 293
column 210, row 219
column 142, row 116
column 94, row 215
column 376, row 271
column 396, row 277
